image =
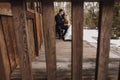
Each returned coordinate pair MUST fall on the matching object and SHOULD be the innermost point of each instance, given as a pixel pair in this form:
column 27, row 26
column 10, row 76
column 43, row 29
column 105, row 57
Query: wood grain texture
column 30, row 38
column 4, row 61
column 35, row 37
column 49, row 39
column 105, row 25
column 7, row 27
column 38, row 19
column 77, row 40
column 41, row 30
column 37, row 28
column 5, row 9
column 20, row 24
column 119, row 73
column 30, row 15
column 13, row 37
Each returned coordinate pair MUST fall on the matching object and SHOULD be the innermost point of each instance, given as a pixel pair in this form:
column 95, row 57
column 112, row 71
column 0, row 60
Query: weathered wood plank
column 49, row 39
column 119, row 73
column 77, row 40
column 30, row 36
column 5, row 9
column 105, row 25
column 20, row 24
column 35, row 37
column 38, row 20
column 41, row 30
column 30, row 15
column 12, row 32
column 37, row 27
column 8, row 39
column 4, row 61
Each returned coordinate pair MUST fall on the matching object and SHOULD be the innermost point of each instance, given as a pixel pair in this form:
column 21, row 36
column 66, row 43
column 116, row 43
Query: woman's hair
column 64, row 14
column 65, row 17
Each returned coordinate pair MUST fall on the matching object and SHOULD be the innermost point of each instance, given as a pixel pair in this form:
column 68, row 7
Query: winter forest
column 91, row 15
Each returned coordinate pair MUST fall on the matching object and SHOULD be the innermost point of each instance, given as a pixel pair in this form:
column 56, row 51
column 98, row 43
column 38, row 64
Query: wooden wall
column 8, row 50
column 10, row 40
column 4, row 60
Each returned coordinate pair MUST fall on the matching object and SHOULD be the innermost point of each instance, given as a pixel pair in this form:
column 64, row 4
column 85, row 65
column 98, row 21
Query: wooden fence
column 22, row 39
column 10, row 57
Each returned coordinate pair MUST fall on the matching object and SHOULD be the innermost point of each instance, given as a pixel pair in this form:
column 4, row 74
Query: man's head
column 61, row 11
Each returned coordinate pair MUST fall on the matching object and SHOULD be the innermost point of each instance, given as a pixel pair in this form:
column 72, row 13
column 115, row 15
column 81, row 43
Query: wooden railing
column 20, row 25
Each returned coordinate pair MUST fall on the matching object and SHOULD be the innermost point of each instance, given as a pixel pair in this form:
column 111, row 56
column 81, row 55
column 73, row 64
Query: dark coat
column 59, row 20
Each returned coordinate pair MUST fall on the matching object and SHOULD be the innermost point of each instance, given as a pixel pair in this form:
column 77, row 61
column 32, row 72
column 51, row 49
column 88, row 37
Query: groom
column 60, row 24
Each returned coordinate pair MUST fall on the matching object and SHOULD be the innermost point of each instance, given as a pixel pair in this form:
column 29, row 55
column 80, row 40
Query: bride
column 68, row 35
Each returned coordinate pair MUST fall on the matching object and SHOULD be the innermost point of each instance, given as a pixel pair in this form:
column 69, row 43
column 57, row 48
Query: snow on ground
column 90, row 35
column 115, row 42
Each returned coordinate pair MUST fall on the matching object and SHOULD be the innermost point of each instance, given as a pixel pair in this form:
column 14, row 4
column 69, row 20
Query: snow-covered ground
column 92, row 35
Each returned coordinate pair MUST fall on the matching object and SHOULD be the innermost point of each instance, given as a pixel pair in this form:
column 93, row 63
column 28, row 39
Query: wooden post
column 77, row 39
column 20, row 24
column 35, row 37
column 4, row 61
column 30, row 38
column 7, row 28
column 12, row 31
column 38, row 22
column 49, row 38
column 105, row 25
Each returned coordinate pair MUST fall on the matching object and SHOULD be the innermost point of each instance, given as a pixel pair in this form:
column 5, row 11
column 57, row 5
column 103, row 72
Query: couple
column 63, row 28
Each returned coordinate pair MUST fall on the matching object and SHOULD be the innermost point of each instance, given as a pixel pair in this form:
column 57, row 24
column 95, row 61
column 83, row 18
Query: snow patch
column 92, row 35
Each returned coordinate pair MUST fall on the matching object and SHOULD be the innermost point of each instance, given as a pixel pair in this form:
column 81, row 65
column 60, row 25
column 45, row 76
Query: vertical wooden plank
column 12, row 32
column 20, row 24
column 4, row 61
column 37, row 25
column 8, row 40
column 30, row 39
column 77, row 39
column 35, row 37
column 119, row 73
column 38, row 29
column 105, row 25
column 41, row 30
column 49, row 38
